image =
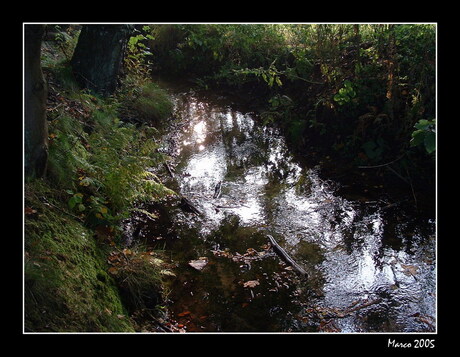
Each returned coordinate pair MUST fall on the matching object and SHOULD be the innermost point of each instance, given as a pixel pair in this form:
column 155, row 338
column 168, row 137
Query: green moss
column 66, row 284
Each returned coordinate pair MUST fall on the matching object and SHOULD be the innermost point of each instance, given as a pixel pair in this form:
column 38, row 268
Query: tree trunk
column 35, row 94
column 98, row 56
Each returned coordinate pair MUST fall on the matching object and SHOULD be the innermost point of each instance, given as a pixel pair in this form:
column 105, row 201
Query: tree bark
column 98, row 56
column 35, row 94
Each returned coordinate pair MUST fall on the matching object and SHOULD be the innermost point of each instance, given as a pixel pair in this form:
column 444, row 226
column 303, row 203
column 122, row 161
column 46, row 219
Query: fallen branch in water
column 285, row 256
column 188, row 206
column 335, row 313
column 218, row 190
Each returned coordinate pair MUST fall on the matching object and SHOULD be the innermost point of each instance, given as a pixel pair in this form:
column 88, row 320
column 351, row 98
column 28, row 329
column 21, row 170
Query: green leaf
column 264, row 76
column 430, row 142
column 422, row 124
column 418, row 137
column 72, row 202
column 278, row 81
column 337, row 97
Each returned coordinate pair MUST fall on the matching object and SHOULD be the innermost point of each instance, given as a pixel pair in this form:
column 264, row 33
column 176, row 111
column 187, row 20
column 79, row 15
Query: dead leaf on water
column 409, row 269
column 251, row 283
column 198, row 264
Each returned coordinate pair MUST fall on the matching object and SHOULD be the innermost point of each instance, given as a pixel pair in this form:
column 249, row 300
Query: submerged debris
column 285, row 256
column 218, row 190
column 188, row 206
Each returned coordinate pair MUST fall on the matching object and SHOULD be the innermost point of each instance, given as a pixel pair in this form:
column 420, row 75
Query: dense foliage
column 362, row 93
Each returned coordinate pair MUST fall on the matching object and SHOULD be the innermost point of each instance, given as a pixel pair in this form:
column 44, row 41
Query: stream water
column 370, row 267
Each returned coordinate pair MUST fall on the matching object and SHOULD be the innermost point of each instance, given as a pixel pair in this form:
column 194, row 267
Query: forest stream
column 370, row 267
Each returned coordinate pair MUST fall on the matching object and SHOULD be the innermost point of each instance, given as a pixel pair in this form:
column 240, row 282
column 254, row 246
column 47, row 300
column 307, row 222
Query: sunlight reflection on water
column 264, row 186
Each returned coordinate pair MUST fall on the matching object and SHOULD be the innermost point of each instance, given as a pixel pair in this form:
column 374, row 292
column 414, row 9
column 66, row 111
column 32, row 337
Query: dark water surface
column 371, row 268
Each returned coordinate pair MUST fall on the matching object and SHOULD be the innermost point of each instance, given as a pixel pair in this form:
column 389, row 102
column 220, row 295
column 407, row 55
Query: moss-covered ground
column 99, row 168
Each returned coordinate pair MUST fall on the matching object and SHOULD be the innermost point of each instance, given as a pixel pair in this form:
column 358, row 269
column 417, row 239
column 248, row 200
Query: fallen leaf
column 198, row 264
column 29, row 210
column 167, row 272
column 251, row 283
column 184, row 313
column 127, row 251
column 409, row 269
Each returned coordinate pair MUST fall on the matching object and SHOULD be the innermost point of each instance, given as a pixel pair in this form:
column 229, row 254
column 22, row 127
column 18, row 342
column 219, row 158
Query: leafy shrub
column 103, row 162
column 425, row 135
column 345, row 94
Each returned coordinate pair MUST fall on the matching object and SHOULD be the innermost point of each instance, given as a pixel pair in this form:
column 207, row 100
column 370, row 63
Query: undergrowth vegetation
column 338, row 78
column 363, row 94
column 100, row 166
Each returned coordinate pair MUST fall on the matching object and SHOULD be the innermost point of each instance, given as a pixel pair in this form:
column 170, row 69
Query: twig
column 285, row 256
column 411, row 187
column 359, row 307
column 382, row 165
column 219, row 206
column 330, row 313
column 397, row 174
